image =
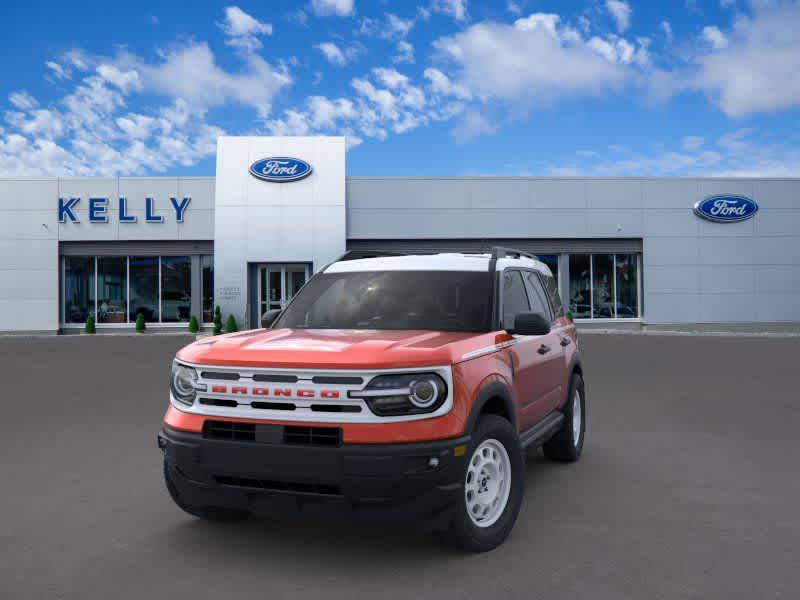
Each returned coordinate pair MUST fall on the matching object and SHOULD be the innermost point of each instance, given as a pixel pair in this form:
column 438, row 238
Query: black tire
column 463, row 532
column 210, row 513
column 563, row 446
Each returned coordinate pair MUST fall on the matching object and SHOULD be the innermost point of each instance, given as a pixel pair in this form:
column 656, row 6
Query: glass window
column 603, row 286
column 78, row 288
column 551, row 288
column 207, row 267
column 112, row 289
column 627, row 286
column 426, row 300
column 551, row 260
column 176, row 289
column 580, row 302
column 538, row 299
column 144, row 288
column 515, row 300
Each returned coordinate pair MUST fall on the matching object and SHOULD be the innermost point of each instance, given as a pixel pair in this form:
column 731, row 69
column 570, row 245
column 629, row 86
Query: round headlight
column 423, row 393
column 183, row 383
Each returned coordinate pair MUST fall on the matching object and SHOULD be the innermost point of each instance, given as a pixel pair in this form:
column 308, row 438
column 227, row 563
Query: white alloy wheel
column 577, row 416
column 488, row 483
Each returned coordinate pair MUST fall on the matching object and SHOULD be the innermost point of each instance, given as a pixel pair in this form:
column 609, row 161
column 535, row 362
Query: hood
column 332, row 348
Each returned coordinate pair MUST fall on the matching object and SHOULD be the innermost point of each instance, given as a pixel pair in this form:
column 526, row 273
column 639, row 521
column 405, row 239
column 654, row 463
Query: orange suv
column 392, row 386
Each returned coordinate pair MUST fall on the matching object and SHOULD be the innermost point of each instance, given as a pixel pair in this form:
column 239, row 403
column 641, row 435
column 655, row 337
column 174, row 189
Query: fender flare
column 493, row 389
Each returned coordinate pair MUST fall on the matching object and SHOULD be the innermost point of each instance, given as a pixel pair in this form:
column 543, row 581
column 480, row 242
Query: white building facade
column 631, row 252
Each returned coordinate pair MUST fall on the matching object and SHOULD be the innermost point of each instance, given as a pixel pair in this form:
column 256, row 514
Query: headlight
column 183, row 383
column 403, row 394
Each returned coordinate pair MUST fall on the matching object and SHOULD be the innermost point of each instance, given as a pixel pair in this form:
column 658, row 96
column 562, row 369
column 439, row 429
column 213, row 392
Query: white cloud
column 727, row 3
column 735, row 154
column 666, row 27
column 339, row 8
column 58, row 70
column 758, row 70
column 471, row 125
column 715, row 37
column 692, row 143
column 397, row 26
column 91, row 130
column 621, row 11
column 536, row 60
column 453, row 8
column 441, row 84
column 336, row 55
column 514, row 8
column 405, row 53
column 22, row 100
column 243, row 29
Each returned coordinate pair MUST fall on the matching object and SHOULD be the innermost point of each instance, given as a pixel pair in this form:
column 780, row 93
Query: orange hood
column 335, row 348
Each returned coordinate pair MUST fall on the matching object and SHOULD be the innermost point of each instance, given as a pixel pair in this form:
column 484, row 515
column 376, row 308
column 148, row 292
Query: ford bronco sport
column 391, row 385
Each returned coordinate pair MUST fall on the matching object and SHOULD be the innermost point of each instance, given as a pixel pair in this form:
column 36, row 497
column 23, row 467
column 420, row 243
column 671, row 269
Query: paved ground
column 689, row 488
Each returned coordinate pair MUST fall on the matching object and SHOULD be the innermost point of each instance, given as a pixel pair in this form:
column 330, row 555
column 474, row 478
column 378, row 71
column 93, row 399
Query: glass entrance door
column 277, row 284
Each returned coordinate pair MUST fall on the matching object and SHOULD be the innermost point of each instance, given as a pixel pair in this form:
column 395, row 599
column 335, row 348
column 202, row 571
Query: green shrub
column 194, row 327
column 140, row 324
column 230, row 324
column 217, row 321
column 570, row 316
column 89, row 327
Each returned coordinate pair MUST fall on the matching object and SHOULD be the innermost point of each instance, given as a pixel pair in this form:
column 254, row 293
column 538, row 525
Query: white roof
column 434, row 262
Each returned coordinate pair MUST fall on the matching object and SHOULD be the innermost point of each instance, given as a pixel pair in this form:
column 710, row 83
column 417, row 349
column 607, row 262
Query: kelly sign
column 99, row 208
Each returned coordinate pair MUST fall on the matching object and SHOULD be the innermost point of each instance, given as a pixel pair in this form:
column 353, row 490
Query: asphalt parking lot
column 689, row 487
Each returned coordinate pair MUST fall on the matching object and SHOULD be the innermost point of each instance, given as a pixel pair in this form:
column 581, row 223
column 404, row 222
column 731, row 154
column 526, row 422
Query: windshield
column 433, row 300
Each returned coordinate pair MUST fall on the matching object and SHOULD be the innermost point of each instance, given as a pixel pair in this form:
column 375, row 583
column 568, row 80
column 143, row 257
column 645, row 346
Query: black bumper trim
column 413, row 479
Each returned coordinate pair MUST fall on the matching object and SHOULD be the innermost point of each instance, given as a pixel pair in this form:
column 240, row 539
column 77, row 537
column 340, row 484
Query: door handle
column 565, row 341
column 543, row 349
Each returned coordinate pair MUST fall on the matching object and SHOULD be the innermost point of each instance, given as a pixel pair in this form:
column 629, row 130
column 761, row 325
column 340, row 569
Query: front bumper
column 409, row 480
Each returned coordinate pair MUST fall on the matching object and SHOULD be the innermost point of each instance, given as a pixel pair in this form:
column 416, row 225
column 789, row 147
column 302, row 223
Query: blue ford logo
column 726, row 209
column 280, row 169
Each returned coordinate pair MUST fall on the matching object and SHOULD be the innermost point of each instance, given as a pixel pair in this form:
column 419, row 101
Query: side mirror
column 530, row 323
column 268, row 318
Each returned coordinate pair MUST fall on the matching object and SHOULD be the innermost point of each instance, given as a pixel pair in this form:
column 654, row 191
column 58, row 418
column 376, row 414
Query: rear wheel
column 211, row 513
column 567, row 444
column 493, row 487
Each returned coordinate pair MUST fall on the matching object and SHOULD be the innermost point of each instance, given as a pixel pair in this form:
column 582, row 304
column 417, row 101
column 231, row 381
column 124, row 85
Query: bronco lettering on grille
column 266, row 391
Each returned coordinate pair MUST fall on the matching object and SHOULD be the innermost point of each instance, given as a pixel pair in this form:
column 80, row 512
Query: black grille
column 220, row 375
column 219, row 402
column 228, row 430
column 276, row 378
column 273, row 405
column 296, row 487
column 348, row 408
column 332, row 379
column 312, row 436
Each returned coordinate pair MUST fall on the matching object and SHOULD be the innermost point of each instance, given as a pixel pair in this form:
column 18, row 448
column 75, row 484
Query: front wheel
column 493, row 487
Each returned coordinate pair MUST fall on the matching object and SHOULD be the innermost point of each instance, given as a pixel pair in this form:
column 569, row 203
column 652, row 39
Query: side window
column 551, row 287
column 515, row 300
column 539, row 302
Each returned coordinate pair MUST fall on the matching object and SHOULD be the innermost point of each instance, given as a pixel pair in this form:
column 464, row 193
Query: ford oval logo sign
column 280, row 169
column 726, row 209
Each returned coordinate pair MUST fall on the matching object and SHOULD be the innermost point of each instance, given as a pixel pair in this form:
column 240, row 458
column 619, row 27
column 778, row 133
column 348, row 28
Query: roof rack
column 357, row 254
column 502, row 252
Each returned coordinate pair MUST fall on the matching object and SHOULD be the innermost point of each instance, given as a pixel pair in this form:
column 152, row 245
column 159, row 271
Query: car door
column 526, row 355
column 552, row 369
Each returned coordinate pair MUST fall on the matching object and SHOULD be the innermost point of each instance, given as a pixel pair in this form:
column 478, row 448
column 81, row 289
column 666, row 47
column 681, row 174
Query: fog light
column 433, row 462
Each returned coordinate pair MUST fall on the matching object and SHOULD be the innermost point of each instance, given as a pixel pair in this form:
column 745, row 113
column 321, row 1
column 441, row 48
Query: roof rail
column 502, row 252
column 357, row 254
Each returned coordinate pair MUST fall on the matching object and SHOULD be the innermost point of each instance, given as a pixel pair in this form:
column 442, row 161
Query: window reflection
column 603, row 286
column 176, row 289
column 207, row 267
column 112, row 278
column 78, row 288
column 627, row 286
column 580, row 299
column 144, row 287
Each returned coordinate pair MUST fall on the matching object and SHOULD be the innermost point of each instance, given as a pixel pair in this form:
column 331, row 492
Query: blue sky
column 437, row 87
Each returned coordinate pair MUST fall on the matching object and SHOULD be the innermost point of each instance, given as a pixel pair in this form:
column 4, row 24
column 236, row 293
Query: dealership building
column 626, row 252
